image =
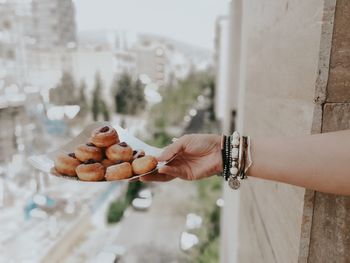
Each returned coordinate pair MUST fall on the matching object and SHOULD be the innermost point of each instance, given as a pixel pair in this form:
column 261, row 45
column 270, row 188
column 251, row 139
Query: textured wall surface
column 330, row 228
column 280, row 54
column 338, row 89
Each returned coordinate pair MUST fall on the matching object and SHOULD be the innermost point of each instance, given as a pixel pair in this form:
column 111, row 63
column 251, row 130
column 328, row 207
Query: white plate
column 45, row 162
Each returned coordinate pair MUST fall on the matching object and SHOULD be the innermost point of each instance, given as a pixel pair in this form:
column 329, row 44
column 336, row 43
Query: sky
column 189, row 21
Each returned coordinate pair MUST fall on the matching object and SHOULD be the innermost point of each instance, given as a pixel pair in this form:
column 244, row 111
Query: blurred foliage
column 98, row 106
column 209, row 190
column 160, row 139
column 122, row 88
column 128, row 95
column 210, row 252
column 211, row 86
column 96, row 96
column 133, row 189
column 83, row 102
column 116, row 211
column 179, row 98
column 105, row 111
column 65, row 92
column 139, row 99
column 117, row 208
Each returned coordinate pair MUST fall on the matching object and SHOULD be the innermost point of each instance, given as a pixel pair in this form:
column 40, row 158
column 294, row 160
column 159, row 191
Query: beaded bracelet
column 225, row 153
column 236, row 157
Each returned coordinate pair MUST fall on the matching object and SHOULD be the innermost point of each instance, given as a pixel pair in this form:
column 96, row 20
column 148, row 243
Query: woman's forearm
column 320, row 162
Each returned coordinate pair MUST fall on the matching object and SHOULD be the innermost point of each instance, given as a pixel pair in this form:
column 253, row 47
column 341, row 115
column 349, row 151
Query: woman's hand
column 198, row 156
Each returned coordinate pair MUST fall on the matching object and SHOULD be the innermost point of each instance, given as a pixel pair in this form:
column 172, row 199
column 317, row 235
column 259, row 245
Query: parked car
column 110, row 254
column 143, row 201
column 188, row 241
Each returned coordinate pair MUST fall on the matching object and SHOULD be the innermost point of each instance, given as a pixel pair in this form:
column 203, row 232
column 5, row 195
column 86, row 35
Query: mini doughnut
column 104, row 137
column 119, row 172
column 87, row 152
column 107, row 163
column 66, row 164
column 144, row 164
column 119, row 152
column 91, row 171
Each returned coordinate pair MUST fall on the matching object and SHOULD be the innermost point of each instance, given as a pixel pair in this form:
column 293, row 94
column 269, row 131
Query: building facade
column 152, row 60
column 7, row 48
column 53, row 23
column 15, row 25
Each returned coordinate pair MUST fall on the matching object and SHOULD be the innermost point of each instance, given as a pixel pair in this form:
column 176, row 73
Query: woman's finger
column 171, row 150
column 170, row 170
column 156, row 178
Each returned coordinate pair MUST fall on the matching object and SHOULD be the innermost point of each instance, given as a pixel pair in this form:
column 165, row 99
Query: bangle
column 223, row 139
column 246, row 157
column 228, row 158
column 249, row 156
column 242, row 174
column 236, row 158
column 225, row 153
column 239, row 159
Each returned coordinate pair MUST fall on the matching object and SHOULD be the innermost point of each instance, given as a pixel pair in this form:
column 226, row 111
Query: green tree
column 116, row 209
column 96, row 97
column 65, row 91
column 99, row 106
column 139, row 99
column 105, row 111
column 123, row 87
column 82, row 102
column 129, row 95
column 177, row 100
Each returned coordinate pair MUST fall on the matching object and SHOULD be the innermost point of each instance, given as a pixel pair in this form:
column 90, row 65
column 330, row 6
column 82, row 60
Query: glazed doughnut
column 107, row 163
column 144, row 164
column 119, row 172
column 66, row 164
column 91, row 171
column 119, row 152
column 104, row 137
column 87, row 152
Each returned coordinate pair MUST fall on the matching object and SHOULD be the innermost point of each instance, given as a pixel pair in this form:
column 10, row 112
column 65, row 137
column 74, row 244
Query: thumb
column 171, row 150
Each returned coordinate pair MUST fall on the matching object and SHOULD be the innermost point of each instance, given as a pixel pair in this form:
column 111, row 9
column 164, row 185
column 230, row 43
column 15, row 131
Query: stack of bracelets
column 236, row 158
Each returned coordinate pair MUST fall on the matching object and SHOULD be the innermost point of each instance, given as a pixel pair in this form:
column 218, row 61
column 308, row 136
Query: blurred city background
column 161, row 69
column 148, row 66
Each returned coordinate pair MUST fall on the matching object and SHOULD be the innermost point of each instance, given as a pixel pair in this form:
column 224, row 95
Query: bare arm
column 320, row 162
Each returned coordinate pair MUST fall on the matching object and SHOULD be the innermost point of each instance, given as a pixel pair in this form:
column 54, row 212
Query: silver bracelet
column 249, row 156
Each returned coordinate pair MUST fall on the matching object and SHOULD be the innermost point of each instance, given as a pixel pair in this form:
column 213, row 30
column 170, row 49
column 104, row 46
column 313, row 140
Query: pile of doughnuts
column 104, row 157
